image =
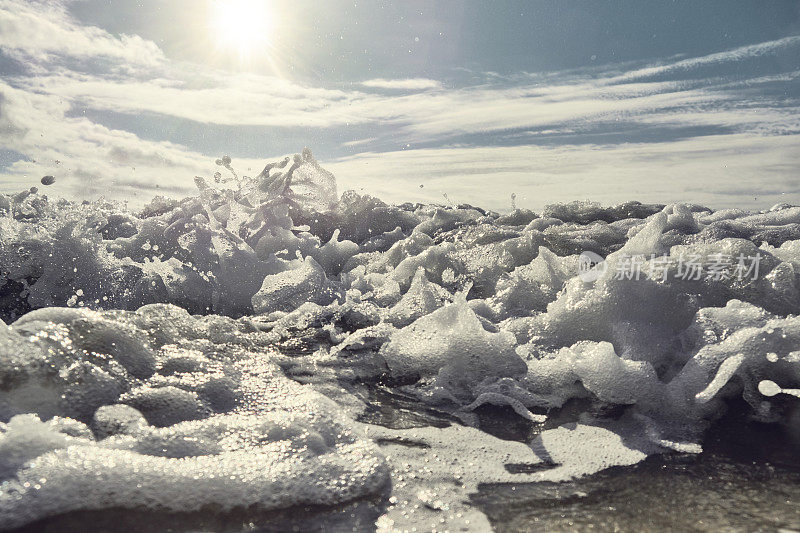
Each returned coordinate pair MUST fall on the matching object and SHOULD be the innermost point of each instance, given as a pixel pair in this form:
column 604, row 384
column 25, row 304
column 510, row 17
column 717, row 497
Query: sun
column 242, row 26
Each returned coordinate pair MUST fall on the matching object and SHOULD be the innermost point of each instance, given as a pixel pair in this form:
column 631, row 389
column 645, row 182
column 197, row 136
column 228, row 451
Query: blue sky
column 551, row 100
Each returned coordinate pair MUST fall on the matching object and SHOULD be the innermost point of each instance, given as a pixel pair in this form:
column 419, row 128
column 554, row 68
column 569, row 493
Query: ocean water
column 270, row 355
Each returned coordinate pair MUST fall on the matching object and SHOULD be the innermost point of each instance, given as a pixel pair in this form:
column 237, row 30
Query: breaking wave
column 224, row 350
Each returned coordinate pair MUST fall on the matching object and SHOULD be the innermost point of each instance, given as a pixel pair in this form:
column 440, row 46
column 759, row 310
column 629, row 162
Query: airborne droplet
column 769, row 388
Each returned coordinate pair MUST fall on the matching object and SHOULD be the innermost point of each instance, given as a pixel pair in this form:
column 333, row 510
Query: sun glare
column 243, row 26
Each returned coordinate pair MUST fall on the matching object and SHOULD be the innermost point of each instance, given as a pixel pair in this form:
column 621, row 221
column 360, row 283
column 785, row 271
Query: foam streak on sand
column 224, row 351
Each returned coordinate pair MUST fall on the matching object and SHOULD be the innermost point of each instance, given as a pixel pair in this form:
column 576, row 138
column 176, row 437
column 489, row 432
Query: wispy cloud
column 691, row 122
column 408, row 84
column 88, row 159
column 359, row 142
column 728, row 56
column 41, row 30
column 251, row 100
column 210, row 96
column 740, row 170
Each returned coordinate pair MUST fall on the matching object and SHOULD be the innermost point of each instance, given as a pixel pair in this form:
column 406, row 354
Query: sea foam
column 224, row 350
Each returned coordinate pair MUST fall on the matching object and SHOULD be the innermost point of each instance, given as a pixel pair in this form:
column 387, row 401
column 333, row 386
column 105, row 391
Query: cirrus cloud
column 407, row 84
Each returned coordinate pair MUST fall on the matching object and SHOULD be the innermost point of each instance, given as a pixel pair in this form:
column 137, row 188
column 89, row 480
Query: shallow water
column 739, row 483
column 744, row 480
